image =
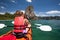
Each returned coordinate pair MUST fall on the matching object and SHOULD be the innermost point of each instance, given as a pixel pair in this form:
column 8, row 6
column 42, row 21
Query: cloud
column 29, row 0
column 2, row 7
column 2, row 13
column 14, row 11
column 5, row 12
column 44, row 15
column 59, row 4
column 11, row 12
column 40, row 14
column 23, row 11
column 48, row 13
column 53, row 12
column 13, row 1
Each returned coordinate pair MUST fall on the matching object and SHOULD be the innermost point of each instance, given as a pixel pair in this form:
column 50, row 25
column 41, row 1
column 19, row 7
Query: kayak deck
column 12, row 37
column 29, row 35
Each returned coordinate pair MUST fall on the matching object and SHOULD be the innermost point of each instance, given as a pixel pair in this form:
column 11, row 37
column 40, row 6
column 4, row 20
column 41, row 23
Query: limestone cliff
column 30, row 12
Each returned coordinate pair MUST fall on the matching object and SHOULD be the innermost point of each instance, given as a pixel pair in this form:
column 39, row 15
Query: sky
column 41, row 7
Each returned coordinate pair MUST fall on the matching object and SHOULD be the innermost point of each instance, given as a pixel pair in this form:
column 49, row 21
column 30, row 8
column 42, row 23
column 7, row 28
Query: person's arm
column 28, row 25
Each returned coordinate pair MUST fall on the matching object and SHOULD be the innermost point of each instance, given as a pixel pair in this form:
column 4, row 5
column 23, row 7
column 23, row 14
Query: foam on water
column 2, row 26
column 45, row 28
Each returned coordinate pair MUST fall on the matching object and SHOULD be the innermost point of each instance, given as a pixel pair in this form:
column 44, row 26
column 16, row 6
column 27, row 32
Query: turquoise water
column 37, row 34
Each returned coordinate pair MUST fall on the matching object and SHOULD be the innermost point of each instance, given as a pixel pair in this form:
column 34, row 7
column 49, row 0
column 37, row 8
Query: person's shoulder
column 26, row 19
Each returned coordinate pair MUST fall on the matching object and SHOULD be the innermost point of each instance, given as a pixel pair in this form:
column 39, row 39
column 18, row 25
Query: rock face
column 30, row 12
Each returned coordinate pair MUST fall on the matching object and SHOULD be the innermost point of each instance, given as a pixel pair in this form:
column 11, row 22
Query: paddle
column 2, row 25
column 12, row 22
column 44, row 27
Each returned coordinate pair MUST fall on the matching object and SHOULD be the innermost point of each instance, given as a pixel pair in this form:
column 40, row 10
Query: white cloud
column 48, row 13
column 43, row 15
column 40, row 14
column 14, row 11
column 29, row 0
column 2, row 7
column 53, row 12
column 59, row 4
column 8, row 12
column 11, row 12
column 13, row 1
column 2, row 13
column 23, row 11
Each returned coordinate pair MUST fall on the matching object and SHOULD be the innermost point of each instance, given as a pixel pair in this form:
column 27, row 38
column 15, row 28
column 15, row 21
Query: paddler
column 21, row 24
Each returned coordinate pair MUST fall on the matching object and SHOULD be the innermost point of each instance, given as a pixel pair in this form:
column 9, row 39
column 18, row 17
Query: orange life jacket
column 19, row 24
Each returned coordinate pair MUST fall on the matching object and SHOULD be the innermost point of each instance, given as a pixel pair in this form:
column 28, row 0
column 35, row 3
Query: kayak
column 12, row 37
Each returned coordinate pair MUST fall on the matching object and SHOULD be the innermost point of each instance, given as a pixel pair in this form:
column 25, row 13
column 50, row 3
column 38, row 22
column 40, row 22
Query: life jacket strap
column 19, row 27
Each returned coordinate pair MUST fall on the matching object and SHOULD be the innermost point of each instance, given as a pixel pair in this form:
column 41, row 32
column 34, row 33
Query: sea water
column 37, row 34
